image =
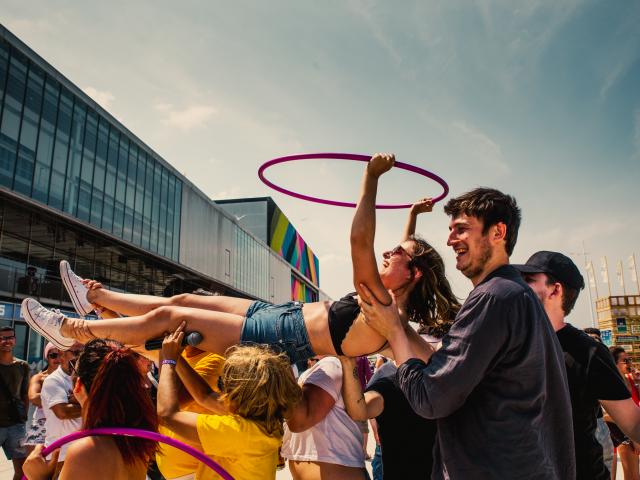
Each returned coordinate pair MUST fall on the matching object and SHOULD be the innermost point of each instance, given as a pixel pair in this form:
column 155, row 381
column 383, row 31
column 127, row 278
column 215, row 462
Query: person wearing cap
column 591, row 373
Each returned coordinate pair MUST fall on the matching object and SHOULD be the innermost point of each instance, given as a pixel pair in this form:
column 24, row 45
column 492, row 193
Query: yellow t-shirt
column 174, row 463
column 239, row 445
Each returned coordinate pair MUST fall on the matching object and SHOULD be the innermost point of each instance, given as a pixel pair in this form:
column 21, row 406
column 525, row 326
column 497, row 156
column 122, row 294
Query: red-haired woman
column 110, row 388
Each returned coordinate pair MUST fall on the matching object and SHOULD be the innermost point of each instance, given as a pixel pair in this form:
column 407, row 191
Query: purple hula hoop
column 135, row 432
column 346, row 156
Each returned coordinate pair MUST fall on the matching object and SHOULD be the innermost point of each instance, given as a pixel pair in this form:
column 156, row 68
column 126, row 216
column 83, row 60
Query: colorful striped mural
column 287, row 242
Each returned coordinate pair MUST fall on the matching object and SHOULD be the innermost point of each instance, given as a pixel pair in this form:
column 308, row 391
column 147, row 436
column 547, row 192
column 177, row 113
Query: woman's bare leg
column 130, row 304
column 219, row 330
column 629, row 460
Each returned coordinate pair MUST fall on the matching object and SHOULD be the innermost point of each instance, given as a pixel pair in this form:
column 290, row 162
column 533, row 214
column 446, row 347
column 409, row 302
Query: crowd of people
column 499, row 386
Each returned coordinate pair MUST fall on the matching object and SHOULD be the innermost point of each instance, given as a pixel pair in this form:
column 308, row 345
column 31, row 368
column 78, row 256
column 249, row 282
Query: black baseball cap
column 557, row 265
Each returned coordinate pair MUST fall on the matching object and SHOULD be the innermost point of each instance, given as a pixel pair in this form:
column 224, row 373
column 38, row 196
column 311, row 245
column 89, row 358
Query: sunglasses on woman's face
column 399, row 250
column 53, row 355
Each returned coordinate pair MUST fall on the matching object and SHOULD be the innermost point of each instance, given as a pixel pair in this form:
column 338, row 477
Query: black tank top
column 342, row 314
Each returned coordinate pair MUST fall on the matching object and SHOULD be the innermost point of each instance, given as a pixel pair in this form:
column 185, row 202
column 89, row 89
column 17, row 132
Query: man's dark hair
column 569, row 295
column 616, row 352
column 492, row 207
column 7, row 328
column 592, row 331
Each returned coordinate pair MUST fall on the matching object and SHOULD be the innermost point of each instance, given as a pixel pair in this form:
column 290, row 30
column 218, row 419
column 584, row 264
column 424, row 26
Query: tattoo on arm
column 355, row 373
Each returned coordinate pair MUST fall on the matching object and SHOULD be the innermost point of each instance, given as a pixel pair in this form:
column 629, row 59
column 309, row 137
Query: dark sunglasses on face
column 53, row 355
column 399, row 250
column 7, row 338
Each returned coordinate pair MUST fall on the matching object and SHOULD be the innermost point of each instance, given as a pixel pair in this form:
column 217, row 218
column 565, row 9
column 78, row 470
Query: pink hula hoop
column 135, row 432
column 346, row 156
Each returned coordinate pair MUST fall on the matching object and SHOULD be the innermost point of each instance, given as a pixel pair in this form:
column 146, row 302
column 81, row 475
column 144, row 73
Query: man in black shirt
column 497, row 386
column 591, row 372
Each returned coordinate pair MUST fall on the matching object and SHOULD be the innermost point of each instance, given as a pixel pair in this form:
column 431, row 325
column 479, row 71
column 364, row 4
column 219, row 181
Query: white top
column 56, row 389
column 336, row 438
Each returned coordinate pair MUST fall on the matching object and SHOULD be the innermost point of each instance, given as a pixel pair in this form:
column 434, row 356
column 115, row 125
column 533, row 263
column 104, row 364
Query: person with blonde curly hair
column 257, row 388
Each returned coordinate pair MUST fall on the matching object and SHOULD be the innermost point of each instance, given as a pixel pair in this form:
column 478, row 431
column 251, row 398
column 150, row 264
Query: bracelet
column 168, row 361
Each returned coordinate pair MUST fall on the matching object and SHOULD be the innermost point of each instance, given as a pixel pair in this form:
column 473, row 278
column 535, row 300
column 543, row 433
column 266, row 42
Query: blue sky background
column 540, row 99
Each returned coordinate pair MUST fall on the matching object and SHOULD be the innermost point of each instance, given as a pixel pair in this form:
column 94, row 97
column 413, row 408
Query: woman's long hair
column 117, row 396
column 259, row 385
column 431, row 302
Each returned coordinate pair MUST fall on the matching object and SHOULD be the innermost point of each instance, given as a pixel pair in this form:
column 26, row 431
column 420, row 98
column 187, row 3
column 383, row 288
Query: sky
column 539, row 99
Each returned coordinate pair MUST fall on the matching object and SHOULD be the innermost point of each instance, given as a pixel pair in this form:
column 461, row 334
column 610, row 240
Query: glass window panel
column 45, row 140
column 87, row 165
column 176, row 220
column 11, row 114
column 139, row 201
column 162, row 227
column 131, row 193
column 148, row 200
column 22, row 331
column 110, row 182
column 121, row 186
column 4, row 67
column 170, row 209
column 61, row 150
column 155, row 213
column 99, row 173
column 29, row 131
column 75, row 158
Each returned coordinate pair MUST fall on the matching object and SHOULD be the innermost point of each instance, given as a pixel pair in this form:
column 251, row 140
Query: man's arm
column 405, row 343
column 475, row 339
column 67, row 411
column 625, row 414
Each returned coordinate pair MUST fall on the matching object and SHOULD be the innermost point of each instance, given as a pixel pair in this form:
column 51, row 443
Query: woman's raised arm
column 363, row 229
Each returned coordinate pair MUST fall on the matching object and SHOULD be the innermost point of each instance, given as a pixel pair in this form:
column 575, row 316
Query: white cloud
column 481, row 149
column 103, row 97
column 186, row 118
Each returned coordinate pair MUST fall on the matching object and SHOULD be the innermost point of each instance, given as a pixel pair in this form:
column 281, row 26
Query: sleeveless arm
column 363, row 227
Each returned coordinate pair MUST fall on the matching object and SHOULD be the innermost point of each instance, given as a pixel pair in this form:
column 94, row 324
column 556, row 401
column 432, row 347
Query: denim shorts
column 281, row 327
column 12, row 441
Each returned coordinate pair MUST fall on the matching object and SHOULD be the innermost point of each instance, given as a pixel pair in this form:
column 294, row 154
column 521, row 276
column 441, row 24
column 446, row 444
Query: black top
column 592, row 376
column 342, row 314
column 497, row 388
column 406, row 439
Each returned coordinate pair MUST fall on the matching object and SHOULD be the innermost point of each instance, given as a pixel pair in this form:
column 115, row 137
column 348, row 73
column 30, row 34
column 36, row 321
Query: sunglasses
column 314, row 359
column 399, row 250
column 7, row 338
column 53, row 355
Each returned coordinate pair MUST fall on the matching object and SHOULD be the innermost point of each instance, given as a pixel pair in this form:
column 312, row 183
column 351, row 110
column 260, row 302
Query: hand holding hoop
column 345, row 156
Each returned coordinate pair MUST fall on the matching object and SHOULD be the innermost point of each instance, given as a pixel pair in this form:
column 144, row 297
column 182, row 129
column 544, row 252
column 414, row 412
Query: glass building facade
column 59, row 150
column 75, row 184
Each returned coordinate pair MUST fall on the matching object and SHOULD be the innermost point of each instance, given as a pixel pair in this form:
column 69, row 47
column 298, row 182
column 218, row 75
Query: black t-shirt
column 592, row 375
column 406, row 439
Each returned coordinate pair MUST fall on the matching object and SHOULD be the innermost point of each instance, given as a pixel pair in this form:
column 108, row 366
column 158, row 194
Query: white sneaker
column 76, row 289
column 46, row 322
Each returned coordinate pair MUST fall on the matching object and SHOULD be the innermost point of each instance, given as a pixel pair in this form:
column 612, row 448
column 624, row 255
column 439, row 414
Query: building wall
column 62, row 150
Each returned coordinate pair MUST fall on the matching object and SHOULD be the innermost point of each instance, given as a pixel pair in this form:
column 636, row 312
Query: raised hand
column 380, row 163
column 423, row 205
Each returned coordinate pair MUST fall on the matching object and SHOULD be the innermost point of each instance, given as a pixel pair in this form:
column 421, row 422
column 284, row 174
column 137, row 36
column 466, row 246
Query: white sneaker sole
column 65, row 270
column 34, row 324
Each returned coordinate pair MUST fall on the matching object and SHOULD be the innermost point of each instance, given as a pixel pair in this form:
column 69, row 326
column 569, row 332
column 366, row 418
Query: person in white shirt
column 62, row 411
column 320, row 439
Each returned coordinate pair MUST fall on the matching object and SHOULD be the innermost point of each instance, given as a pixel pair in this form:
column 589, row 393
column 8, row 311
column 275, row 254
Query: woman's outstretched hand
column 380, row 163
column 423, row 205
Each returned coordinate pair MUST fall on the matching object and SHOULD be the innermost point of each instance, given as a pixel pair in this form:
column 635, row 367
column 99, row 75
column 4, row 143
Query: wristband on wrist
column 168, row 361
